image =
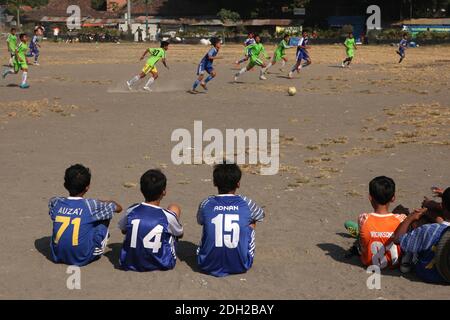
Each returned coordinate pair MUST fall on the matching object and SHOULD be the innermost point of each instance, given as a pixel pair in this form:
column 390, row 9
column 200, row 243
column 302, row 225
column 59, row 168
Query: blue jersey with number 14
column 228, row 240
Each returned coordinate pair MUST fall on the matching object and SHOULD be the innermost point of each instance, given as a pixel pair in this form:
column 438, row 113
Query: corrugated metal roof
column 424, row 21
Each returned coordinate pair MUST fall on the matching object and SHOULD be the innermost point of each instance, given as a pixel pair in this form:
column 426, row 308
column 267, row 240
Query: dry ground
column 342, row 128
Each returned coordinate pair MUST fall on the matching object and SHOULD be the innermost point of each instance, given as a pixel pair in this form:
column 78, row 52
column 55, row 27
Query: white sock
column 24, row 77
column 242, row 71
column 149, row 82
column 134, row 80
column 283, row 63
column 267, row 68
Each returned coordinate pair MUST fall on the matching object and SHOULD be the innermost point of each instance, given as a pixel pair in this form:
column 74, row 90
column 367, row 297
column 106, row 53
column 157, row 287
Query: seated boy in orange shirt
column 376, row 229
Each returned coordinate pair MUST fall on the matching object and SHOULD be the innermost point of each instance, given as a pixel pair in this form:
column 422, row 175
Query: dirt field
column 343, row 127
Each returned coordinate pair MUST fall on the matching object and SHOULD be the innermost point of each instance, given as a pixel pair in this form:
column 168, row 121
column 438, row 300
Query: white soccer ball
column 292, row 91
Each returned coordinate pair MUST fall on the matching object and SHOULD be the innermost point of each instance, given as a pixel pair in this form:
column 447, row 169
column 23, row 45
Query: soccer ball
column 292, row 91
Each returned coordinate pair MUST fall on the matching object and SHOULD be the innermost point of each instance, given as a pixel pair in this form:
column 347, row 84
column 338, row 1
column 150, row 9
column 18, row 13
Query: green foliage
column 229, row 15
column 98, row 4
column 432, row 35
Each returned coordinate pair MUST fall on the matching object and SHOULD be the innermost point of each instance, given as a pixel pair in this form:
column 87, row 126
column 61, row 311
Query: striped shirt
column 99, row 210
column 423, row 238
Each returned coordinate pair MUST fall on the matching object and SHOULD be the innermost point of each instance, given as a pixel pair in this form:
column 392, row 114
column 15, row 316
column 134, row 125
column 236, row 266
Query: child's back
column 150, row 238
column 375, row 230
column 228, row 239
column 78, row 229
column 150, row 231
column 80, row 226
column 228, row 220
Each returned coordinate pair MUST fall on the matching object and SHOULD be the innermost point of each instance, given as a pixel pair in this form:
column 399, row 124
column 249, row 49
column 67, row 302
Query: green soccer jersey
column 12, row 42
column 282, row 46
column 22, row 49
column 350, row 43
column 256, row 49
column 156, row 54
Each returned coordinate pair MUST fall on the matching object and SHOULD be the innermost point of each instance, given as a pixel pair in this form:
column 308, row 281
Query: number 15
column 231, row 225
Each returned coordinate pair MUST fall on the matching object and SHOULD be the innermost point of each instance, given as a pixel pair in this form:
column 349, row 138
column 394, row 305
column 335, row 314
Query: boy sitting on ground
column 423, row 241
column 80, row 226
column 150, row 231
column 229, row 221
column 376, row 229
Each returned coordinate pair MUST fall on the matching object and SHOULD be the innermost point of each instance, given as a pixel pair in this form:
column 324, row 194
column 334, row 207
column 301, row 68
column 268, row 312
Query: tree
column 15, row 6
column 225, row 15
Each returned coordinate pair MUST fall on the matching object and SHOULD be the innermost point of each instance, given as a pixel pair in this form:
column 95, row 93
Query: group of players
column 254, row 54
column 81, row 225
column 19, row 53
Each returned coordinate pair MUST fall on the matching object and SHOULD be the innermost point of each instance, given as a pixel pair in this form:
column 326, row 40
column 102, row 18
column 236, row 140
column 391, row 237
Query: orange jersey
column 375, row 230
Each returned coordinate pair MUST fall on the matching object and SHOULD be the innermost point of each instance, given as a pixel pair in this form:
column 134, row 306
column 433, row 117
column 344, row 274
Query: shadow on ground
column 42, row 245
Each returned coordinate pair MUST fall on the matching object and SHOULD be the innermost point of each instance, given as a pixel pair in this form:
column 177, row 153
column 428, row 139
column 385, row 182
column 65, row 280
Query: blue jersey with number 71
column 228, row 241
column 80, row 229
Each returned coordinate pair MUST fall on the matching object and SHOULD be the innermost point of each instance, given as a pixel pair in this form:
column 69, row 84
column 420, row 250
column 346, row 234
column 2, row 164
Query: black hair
column 226, row 177
column 214, row 41
column 153, row 184
column 22, row 35
column 286, row 35
column 405, row 35
column 13, row 29
column 382, row 189
column 76, row 179
column 446, row 199
column 164, row 44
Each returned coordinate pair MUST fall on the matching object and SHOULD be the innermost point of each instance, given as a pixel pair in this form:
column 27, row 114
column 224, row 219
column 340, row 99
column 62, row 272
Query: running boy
column 280, row 53
column 249, row 41
column 156, row 55
column 150, row 231
column 254, row 51
column 228, row 220
column 206, row 65
column 20, row 62
column 376, row 229
column 350, row 47
column 402, row 46
column 80, row 226
column 11, row 42
column 302, row 54
column 34, row 47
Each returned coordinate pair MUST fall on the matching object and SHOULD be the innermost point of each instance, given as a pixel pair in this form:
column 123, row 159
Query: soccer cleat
column 5, row 73
column 290, row 75
column 24, row 86
column 204, row 86
column 352, row 228
column 129, row 86
column 147, row 89
column 36, row 64
column 343, row 65
column 236, row 77
column 262, row 77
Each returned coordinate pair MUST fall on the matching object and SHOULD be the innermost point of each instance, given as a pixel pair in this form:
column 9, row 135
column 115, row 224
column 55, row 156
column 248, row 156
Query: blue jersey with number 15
column 228, row 240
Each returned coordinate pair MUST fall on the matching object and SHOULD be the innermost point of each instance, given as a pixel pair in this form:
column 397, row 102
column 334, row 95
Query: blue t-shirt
column 206, row 62
column 423, row 241
column 76, row 237
column 228, row 242
column 149, row 243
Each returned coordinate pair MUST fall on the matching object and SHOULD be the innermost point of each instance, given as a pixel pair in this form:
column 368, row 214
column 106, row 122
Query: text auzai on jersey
column 243, row 309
